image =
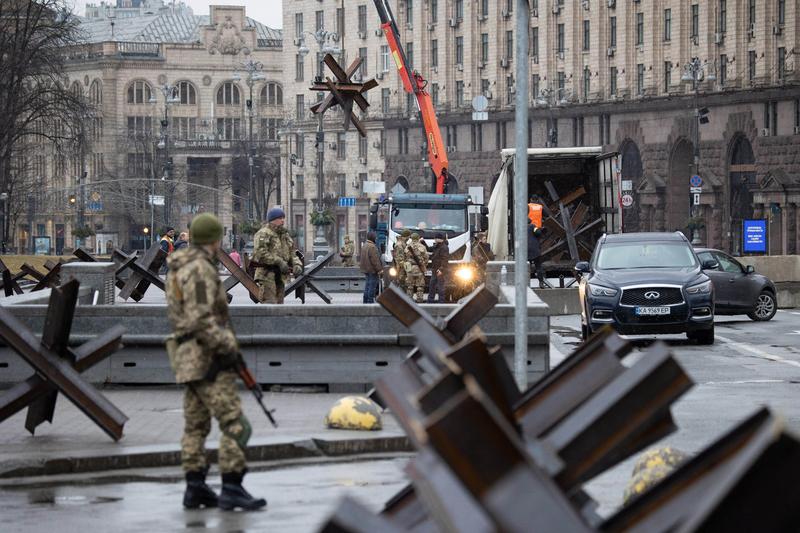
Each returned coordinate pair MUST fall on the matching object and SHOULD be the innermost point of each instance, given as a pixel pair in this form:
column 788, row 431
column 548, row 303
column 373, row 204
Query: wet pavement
column 300, row 499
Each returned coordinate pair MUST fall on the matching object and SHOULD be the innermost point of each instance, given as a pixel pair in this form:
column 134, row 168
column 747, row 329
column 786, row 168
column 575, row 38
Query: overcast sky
column 265, row 11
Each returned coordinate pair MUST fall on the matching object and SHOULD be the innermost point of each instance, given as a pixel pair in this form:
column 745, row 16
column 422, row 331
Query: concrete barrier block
column 778, row 268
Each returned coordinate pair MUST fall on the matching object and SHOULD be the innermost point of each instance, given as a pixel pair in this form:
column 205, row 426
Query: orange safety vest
column 170, row 245
column 535, row 214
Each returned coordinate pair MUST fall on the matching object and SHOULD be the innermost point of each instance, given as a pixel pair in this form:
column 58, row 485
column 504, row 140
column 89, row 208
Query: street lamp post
column 4, row 200
column 694, row 73
column 325, row 42
column 171, row 96
column 253, row 70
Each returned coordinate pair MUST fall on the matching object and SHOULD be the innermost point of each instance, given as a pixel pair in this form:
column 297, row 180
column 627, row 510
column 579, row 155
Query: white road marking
column 750, row 350
column 795, row 313
column 744, row 381
column 795, row 332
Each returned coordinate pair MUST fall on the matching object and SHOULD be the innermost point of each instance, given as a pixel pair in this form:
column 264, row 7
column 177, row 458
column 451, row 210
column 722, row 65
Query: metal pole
column 81, row 183
column 695, row 209
column 250, row 147
column 167, row 165
column 521, row 278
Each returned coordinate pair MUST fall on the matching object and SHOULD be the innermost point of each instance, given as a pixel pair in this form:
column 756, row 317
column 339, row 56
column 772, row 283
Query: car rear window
column 645, row 255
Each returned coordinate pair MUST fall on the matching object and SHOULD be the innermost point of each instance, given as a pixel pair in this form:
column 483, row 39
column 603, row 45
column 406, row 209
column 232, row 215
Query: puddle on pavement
column 48, row 497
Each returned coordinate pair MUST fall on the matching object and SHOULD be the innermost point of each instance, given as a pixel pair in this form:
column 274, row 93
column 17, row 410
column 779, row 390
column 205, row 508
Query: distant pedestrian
column 440, row 265
column 347, row 251
column 202, row 352
column 167, row 243
column 236, row 257
column 535, row 253
column 399, row 257
column 182, row 241
column 370, row 263
column 481, row 254
column 274, row 257
column 416, row 266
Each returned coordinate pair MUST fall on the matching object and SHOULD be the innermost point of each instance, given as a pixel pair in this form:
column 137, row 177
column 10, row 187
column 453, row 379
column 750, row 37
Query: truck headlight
column 393, row 272
column 597, row 290
column 702, row 288
column 465, row 274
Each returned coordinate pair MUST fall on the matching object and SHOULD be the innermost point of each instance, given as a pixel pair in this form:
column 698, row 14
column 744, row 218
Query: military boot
column 197, row 492
column 234, row 495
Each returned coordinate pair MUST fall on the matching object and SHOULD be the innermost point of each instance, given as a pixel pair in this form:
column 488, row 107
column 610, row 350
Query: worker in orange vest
column 535, row 214
column 534, row 233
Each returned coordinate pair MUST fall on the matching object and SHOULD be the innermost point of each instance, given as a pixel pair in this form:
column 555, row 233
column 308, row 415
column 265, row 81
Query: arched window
column 76, row 89
column 139, row 92
column 272, row 94
column 228, row 94
column 187, row 93
column 96, row 93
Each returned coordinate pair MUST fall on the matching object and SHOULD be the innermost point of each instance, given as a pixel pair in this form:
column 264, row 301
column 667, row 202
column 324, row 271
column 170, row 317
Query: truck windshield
column 645, row 255
column 429, row 217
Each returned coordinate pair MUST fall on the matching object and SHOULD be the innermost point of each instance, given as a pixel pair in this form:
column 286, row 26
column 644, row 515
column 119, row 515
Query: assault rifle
column 247, row 377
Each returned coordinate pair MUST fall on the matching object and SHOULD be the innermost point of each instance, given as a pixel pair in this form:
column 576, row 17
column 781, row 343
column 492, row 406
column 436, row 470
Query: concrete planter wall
column 343, row 346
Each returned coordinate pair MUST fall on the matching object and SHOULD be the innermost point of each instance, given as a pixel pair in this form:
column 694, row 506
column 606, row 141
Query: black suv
column 646, row 283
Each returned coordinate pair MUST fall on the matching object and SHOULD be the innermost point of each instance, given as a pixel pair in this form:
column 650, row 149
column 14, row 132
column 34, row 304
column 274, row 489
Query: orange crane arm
column 415, row 84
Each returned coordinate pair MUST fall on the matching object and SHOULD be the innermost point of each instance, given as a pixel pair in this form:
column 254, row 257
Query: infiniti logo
column 652, row 295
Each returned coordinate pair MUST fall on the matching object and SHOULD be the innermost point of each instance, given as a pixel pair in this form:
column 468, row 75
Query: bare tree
column 33, row 37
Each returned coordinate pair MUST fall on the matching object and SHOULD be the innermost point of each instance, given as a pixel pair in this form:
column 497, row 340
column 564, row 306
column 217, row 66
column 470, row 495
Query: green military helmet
column 205, row 229
column 406, row 233
column 415, row 236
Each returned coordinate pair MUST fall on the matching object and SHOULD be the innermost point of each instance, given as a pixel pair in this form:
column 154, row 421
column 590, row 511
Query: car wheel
column 586, row 332
column 765, row 308
column 703, row 336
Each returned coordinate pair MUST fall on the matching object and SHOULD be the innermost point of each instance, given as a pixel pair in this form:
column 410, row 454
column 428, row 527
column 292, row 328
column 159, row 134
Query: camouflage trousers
column 271, row 288
column 415, row 285
column 401, row 279
column 202, row 400
column 347, row 260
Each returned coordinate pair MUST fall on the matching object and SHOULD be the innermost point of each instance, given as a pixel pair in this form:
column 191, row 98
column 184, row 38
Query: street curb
column 153, row 458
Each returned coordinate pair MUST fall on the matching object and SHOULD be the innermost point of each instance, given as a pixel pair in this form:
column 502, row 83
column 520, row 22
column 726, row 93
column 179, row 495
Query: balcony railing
column 138, row 49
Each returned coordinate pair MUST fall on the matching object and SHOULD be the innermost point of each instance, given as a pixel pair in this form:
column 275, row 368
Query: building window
column 272, row 94
column 319, row 20
column 723, row 16
column 477, row 137
column 385, row 103
column 639, row 29
column 139, row 92
column 723, row 69
column 298, row 67
column 269, row 129
column 341, row 188
column 771, row 117
column 560, row 39
column 535, row 86
column 300, row 107
column 459, row 10
column 459, row 93
column 228, row 94
column 484, row 86
column 382, row 142
column 484, row 8
column 612, row 81
column 751, row 65
column 299, row 192
column 667, row 75
column 510, row 90
column 410, row 103
column 667, row 24
column 186, row 93
column 612, row 32
column 362, row 68
column 782, row 64
column 229, row 129
column 751, row 14
column 577, row 131
column 298, row 24
column 339, row 20
column 484, row 47
column 435, row 93
column 362, row 19
column 341, row 145
column 587, row 82
column 781, row 12
column 510, row 44
column 362, row 147
column 384, row 58
column 561, row 84
column 535, row 42
column 409, row 53
column 640, row 79
column 184, row 128
column 300, row 146
column 695, row 21
column 459, row 50
column 797, row 113
column 434, row 11
column 140, row 126
column 409, row 11
column 586, row 35
column 434, row 52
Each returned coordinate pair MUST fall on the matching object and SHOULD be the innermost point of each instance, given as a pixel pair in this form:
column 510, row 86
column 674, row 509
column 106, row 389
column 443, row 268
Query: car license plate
column 652, row 311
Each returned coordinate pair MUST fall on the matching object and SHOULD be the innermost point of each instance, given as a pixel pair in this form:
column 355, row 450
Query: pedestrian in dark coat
column 535, row 253
column 440, row 265
column 371, row 266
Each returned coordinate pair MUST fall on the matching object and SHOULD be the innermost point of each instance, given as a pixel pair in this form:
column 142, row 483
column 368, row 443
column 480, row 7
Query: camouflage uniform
column 198, row 311
column 348, row 249
column 399, row 256
column 274, row 247
column 416, row 254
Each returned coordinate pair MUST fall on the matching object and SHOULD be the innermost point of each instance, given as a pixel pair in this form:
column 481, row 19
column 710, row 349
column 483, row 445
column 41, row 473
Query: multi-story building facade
column 178, row 126
column 610, row 73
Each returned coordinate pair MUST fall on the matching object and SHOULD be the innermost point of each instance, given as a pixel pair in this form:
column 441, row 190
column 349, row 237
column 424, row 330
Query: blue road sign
column 754, row 236
column 346, row 201
column 696, row 181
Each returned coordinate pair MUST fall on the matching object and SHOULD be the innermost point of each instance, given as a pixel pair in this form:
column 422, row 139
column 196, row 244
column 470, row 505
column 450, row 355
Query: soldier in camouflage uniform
column 203, row 340
column 348, row 249
column 274, row 257
column 416, row 256
column 399, row 256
